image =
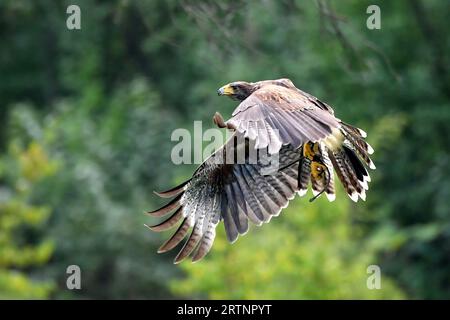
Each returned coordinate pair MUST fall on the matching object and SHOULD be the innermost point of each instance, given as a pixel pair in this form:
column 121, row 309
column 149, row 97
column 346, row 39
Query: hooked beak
column 226, row 90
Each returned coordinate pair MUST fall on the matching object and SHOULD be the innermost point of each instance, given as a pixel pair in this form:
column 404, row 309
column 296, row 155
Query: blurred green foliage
column 310, row 252
column 85, row 138
column 21, row 246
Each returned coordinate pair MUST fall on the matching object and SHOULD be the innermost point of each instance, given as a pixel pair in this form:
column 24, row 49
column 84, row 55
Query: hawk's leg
column 221, row 123
column 322, row 171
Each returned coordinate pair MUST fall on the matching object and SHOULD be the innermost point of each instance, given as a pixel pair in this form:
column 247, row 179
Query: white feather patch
column 362, row 133
column 331, row 196
column 335, row 140
column 364, row 184
column 369, row 149
column 362, row 195
column 354, row 196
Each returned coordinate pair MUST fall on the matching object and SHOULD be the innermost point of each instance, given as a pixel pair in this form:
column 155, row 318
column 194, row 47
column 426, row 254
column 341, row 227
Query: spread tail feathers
column 350, row 159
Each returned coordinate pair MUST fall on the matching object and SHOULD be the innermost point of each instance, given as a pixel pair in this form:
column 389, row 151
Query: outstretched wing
column 276, row 115
column 232, row 192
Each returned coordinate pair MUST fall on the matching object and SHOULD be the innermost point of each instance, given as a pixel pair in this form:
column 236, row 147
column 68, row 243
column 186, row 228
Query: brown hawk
column 277, row 120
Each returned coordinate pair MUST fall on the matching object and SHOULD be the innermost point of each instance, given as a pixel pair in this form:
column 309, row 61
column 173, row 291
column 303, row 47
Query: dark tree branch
column 134, row 35
column 439, row 67
column 334, row 19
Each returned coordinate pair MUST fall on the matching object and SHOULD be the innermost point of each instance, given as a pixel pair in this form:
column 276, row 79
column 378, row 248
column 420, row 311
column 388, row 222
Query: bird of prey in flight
column 276, row 119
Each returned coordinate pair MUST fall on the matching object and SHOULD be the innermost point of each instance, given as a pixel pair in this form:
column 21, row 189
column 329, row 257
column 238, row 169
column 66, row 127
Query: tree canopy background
column 86, row 117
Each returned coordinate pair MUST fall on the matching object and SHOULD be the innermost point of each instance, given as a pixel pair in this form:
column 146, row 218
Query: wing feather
column 233, row 193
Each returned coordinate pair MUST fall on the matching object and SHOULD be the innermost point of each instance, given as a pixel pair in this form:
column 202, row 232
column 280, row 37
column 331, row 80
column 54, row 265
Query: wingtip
column 166, row 194
column 168, row 207
column 179, row 258
column 174, row 191
column 231, row 241
column 152, row 213
column 159, row 194
column 197, row 257
column 152, row 228
column 161, row 250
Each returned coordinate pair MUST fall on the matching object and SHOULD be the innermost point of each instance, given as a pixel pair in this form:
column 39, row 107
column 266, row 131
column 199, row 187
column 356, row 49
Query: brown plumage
column 280, row 121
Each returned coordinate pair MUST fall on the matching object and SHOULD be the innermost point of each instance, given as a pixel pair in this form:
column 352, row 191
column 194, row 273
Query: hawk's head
column 238, row 90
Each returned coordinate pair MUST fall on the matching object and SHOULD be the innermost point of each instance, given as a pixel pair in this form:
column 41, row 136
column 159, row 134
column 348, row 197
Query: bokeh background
column 85, row 124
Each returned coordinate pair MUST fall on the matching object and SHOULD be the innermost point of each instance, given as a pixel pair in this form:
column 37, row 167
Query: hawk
column 277, row 120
